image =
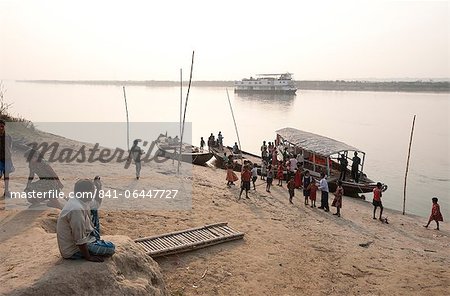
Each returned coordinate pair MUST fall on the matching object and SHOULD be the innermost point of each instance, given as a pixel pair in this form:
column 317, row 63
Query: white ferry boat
column 267, row 83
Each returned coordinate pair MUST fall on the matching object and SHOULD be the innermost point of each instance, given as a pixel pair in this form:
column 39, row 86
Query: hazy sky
column 152, row 40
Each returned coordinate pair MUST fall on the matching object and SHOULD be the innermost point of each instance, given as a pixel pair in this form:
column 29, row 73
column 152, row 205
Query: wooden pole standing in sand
column 181, row 98
column 185, row 107
column 235, row 126
column 128, row 122
column 181, row 115
column 407, row 164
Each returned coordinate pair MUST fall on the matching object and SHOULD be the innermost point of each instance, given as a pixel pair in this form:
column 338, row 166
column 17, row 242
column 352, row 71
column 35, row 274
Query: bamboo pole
column 181, row 238
column 226, row 229
column 219, row 230
column 181, row 231
column 215, row 232
column 200, row 234
column 172, row 240
column 192, row 246
column 128, row 121
column 235, row 127
column 149, row 246
column 185, row 107
column 181, row 114
column 186, row 237
column 407, row 163
column 191, row 236
column 181, row 98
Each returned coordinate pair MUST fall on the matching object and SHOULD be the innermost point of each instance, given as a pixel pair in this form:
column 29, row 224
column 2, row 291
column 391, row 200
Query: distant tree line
column 402, row 86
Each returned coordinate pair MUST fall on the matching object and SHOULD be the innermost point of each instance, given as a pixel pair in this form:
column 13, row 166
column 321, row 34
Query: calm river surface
column 378, row 123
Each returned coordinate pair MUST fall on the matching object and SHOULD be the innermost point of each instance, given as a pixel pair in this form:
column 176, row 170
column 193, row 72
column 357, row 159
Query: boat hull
column 200, row 158
column 218, row 155
column 352, row 189
column 266, row 91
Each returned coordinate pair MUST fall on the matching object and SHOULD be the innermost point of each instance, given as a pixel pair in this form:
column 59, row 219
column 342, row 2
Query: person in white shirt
column 323, row 186
column 254, row 175
column 263, row 170
column 75, row 231
column 292, row 167
column 220, row 140
column 300, row 159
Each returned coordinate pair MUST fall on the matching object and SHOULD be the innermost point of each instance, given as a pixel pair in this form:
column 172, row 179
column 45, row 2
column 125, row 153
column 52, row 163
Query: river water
column 378, row 123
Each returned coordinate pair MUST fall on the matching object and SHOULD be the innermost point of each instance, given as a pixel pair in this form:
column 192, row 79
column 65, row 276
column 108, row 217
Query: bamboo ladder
column 188, row 240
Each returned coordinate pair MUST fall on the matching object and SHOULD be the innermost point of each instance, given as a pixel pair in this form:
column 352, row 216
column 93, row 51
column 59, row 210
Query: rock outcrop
column 128, row 272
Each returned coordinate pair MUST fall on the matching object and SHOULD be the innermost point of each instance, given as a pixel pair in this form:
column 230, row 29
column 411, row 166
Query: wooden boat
column 321, row 154
column 191, row 154
column 238, row 158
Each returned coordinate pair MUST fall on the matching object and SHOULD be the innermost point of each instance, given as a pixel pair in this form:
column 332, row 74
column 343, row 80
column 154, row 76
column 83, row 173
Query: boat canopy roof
column 311, row 142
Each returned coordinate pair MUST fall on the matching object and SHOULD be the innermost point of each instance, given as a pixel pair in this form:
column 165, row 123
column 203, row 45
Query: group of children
column 309, row 186
column 295, row 181
column 299, row 179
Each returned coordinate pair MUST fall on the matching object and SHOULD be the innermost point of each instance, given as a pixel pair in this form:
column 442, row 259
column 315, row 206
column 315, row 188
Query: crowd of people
column 78, row 227
column 288, row 167
column 212, row 142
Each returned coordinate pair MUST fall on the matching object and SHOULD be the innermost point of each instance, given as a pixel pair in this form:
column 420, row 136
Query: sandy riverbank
column 287, row 249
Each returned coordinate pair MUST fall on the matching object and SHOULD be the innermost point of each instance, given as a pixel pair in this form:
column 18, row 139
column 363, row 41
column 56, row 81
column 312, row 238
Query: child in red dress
column 280, row 174
column 298, row 177
column 231, row 175
column 312, row 192
column 435, row 213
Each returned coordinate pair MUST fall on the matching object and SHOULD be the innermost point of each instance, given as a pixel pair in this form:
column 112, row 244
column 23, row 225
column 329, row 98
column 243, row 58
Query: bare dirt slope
column 287, row 249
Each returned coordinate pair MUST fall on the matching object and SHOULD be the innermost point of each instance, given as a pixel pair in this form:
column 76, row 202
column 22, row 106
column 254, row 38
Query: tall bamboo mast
column 407, row 163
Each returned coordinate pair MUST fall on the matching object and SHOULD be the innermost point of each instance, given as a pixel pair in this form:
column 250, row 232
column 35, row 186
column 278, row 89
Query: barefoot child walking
column 231, row 175
column 377, row 193
column 337, row 202
column 246, row 176
column 269, row 178
column 280, row 173
column 263, row 170
column 306, row 188
column 313, row 192
column 291, row 189
column 435, row 213
column 254, row 175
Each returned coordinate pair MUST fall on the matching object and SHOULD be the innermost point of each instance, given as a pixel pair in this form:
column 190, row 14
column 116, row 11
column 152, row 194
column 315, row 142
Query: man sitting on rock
column 76, row 234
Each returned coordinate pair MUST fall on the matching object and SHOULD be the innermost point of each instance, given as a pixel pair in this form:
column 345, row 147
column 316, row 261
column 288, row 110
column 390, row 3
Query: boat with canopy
column 323, row 154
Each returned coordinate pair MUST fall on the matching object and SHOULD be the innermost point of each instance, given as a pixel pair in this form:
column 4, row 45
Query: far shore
column 429, row 85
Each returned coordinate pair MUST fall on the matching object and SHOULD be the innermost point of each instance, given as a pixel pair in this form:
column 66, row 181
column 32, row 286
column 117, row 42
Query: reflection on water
column 285, row 100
